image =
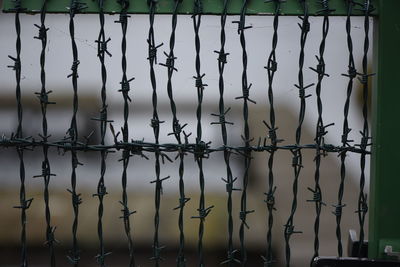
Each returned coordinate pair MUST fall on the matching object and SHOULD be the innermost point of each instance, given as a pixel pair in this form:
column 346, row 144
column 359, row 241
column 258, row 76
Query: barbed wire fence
column 200, row 149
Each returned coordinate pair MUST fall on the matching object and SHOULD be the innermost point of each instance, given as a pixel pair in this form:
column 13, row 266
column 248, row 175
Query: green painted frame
column 384, row 213
column 258, row 7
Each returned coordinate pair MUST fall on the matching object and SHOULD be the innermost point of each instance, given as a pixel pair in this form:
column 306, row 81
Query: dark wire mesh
column 200, row 149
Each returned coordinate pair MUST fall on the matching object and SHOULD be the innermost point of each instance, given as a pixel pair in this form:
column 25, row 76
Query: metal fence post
column 384, row 218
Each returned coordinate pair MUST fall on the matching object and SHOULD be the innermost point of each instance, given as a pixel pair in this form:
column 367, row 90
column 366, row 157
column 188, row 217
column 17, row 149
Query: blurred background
column 141, row 171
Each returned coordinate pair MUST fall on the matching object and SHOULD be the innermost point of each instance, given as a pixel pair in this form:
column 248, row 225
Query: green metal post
column 384, row 218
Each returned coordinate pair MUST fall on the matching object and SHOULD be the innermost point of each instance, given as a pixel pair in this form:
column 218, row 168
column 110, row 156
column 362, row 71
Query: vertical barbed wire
column 201, row 146
column 126, row 154
column 43, row 96
column 271, row 68
column 246, row 137
column 102, row 51
column 155, row 124
column 177, row 129
column 74, row 254
column 321, row 129
column 362, row 210
column 297, row 160
column 351, row 74
column 222, row 61
column 24, row 203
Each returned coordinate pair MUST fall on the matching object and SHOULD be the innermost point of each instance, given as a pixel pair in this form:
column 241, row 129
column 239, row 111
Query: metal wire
column 271, row 68
column 102, row 51
column 351, row 74
column 230, row 187
column 297, row 160
column 43, row 96
column 24, row 203
column 362, row 210
column 246, row 137
column 321, row 129
column 126, row 154
column 72, row 138
column 200, row 149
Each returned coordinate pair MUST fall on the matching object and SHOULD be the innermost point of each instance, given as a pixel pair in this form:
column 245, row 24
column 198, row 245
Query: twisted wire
column 271, row 69
column 321, row 127
column 297, row 160
column 246, row 136
column 201, row 146
column 74, row 253
column 43, row 97
column 101, row 188
column 126, row 154
column 176, row 131
column 24, row 203
column 351, row 74
column 362, row 210
column 222, row 61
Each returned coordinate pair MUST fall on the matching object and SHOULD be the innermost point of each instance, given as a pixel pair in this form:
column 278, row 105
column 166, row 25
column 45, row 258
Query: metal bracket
column 352, row 262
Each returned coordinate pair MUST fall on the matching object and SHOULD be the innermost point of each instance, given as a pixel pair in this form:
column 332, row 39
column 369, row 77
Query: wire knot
column 243, row 216
column 169, row 62
column 203, row 213
column 46, row 173
column 101, row 191
column 338, row 209
column 231, row 258
column 317, row 196
column 126, row 213
column 17, row 64
column 199, row 81
column 222, row 56
column 270, row 200
column 230, row 184
column 42, row 35
column 302, row 90
column 246, row 94
column 24, row 204
column 76, row 198
column 153, row 51
column 221, row 118
column 102, row 47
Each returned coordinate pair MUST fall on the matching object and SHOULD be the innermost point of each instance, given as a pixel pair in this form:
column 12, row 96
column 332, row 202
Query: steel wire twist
column 362, row 209
column 72, row 133
column 271, row 68
column 230, row 187
column 351, row 74
column 24, row 203
column 43, row 97
column 126, row 153
column 246, row 132
column 102, row 51
column 321, row 129
column 297, row 160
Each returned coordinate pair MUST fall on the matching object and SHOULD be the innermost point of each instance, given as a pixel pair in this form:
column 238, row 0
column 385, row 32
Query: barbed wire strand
column 74, row 254
column 222, row 61
column 321, row 129
column 297, row 160
column 126, row 153
column 351, row 74
column 201, row 146
column 24, row 203
column 246, row 137
column 271, row 68
column 102, row 51
column 43, row 97
column 362, row 210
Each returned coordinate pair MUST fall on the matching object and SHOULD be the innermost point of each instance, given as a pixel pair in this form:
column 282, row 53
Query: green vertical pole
column 384, row 220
